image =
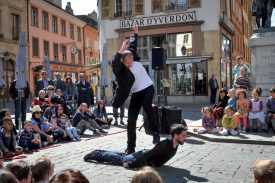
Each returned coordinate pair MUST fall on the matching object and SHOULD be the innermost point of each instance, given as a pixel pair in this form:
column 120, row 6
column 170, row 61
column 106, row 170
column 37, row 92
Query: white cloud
column 81, row 7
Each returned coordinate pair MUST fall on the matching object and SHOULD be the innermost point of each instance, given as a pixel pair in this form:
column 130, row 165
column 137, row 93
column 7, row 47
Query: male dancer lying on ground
column 159, row 155
column 131, row 74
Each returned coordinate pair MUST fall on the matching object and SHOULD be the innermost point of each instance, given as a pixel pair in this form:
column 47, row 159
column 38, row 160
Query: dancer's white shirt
column 142, row 79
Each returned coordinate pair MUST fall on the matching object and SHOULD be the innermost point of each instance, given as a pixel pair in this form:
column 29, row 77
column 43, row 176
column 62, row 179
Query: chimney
column 69, row 8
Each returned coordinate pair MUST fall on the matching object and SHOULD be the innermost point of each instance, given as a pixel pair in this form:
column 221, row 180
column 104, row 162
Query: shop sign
column 158, row 20
column 64, row 68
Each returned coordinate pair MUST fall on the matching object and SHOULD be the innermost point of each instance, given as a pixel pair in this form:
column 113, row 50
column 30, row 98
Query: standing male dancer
column 132, row 75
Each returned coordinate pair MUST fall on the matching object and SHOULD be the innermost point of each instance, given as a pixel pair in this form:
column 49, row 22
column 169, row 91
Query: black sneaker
column 102, row 131
column 116, row 123
column 129, row 150
column 95, row 132
column 121, row 122
column 90, row 156
column 156, row 138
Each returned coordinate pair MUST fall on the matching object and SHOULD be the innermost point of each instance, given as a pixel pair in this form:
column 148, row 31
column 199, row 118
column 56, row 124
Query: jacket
column 14, row 92
column 124, row 77
column 85, row 93
column 40, row 85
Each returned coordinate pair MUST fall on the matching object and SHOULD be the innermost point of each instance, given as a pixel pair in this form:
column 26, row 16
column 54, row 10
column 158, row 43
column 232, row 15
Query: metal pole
column 158, row 88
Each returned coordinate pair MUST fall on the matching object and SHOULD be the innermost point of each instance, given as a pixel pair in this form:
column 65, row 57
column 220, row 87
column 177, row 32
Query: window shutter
column 139, row 7
column 157, row 5
column 194, row 3
column 105, row 8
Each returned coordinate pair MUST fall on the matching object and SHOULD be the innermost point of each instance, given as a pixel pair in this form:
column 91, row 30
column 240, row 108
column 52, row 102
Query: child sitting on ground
column 65, row 124
column 29, row 140
column 220, row 105
column 8, row 142
column 229, row 122
column 256, row 114
column 242, row 110
column 232, row 101
column 208, row 121
column 46, row 126
column 270, row 107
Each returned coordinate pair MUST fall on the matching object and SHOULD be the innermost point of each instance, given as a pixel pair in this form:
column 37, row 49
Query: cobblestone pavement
column 196, row 161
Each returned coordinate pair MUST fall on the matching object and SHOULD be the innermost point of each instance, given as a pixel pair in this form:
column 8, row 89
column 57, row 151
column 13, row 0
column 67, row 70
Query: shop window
column 139, row 7
column 142, row 47
column 179, row 44
column 225, row 62
column 156, row 6
column 105, row 8
column 188, row 79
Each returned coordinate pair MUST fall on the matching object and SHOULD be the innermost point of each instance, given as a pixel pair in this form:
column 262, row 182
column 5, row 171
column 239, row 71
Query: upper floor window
column 128, row 8
column 35, row 47
column 118, row 8
column 182, row 4
column 156, row 6
column 55, row 51
column 79, row 57
column 64, row 53
column 72, row 31
column 45, row 21
column 63, row 28
column 105, row 8
column 138, row 7
column 46, row 48
column 78, row 34
column 55, row 24
column 173, row 5
column 34, row 17
column 15, row 26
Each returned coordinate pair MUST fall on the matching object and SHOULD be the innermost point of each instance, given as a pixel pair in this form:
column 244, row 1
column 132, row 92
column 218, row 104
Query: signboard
column 158, row 20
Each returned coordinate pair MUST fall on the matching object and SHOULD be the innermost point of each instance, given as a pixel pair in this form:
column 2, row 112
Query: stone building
column 199, row 37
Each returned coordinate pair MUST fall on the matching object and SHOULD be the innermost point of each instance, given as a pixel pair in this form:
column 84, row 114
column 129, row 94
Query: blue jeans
column 19, row 109
column 117, row 158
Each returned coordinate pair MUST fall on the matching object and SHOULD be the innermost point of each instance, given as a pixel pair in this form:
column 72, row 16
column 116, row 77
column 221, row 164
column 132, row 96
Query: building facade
column 196, row 34
column 57, row 34
column 13, row 19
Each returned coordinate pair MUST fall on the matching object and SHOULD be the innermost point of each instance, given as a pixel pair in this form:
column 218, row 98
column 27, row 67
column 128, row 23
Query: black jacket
column 85, row 93
column 40, row 85
column 124, row 77
column 14, row 92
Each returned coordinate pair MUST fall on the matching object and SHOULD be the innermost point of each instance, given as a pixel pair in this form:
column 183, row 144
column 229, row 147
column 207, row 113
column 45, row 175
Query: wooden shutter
column 105, row 6
column 139, row 7
column 157, row 5
column 194, row 3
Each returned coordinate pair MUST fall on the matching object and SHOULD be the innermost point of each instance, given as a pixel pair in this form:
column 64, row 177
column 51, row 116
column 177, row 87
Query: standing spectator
column 19, row 104
column 85, row 92
column 71, row 90
column 256, row 113
column 101, row 114
column 146, row 174
column 21, row 170
column 69, row 176
column 59, row 83
column 270, row 107
column 42, row 169
column 237, row 68
column 42, row 83
column 8, row 142
column 214, row 86
column 115, row 110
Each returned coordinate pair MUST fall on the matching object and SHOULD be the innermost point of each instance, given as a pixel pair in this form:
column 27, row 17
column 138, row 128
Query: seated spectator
column 242, row 81
column 21, row 170
column 101, row 115
column 46, row 137
column 229, row 122
column 256, row 114
column 232, row 101
column 59, row 133
column 208, row 122
column 8, row 142
column 7, row 113
column 1, row 160
column 29, row 140
column 42, row 101
column 66, row 125
column 83, row 120
column 242, row 110
column 146, row 174
column 220, row 105
column 42, row 169
column 69, row 176
column 264, row 171
column 58, row 98
column 270, row 107
column 7, row 177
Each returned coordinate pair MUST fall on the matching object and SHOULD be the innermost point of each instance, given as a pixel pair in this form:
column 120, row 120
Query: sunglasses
column 50, row 89
column 40, row 112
